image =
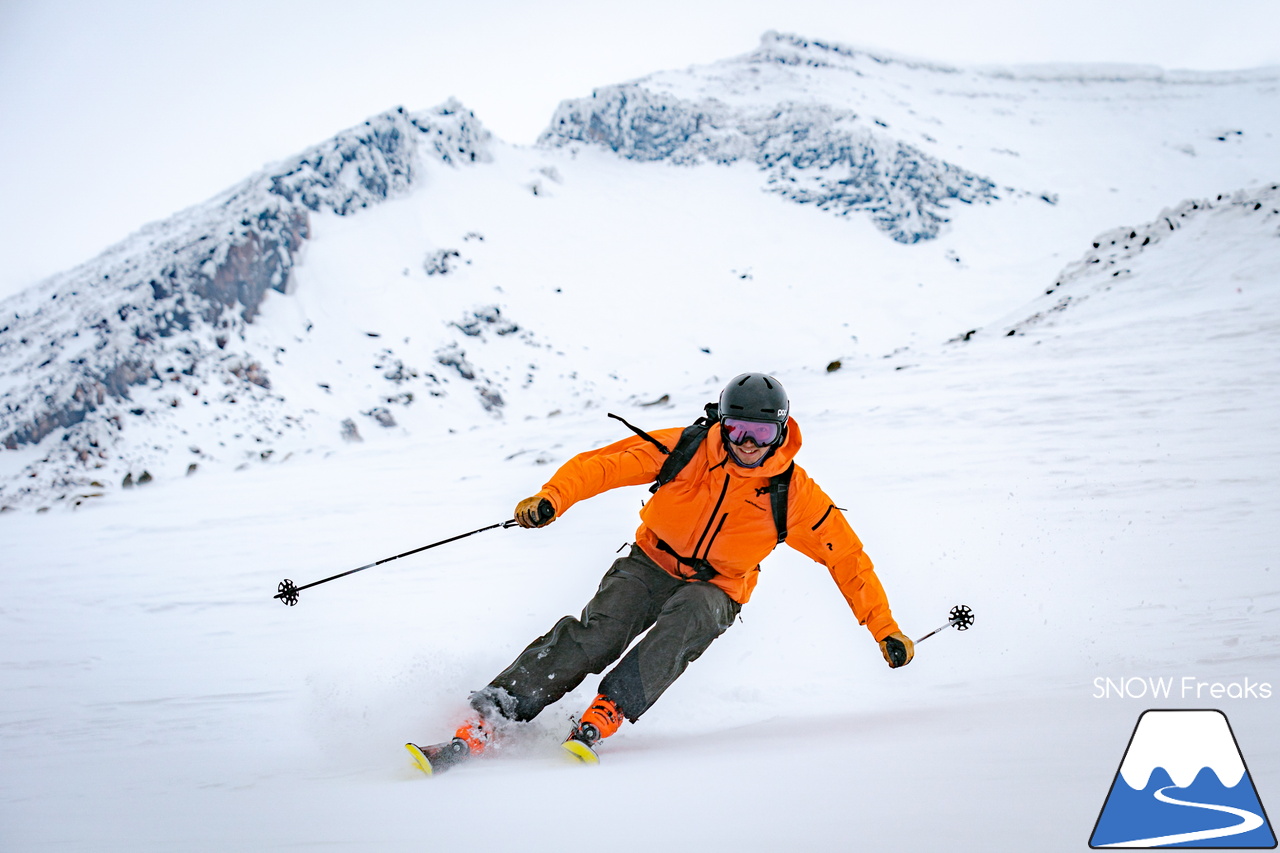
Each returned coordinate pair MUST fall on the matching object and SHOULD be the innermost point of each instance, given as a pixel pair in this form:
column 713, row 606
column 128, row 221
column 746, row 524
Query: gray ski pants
column 681, row 617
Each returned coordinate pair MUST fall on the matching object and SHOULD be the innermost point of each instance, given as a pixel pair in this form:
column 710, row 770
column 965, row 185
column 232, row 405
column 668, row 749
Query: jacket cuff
column 883, row 628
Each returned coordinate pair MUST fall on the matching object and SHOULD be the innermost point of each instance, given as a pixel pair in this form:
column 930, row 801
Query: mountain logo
column 1183, row 783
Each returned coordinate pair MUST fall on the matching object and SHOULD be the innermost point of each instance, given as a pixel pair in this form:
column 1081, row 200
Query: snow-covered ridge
column 793, row 49
column 167, row 306
column 796, row 50
column 809, row 152
column 791, row 108
column 378, row 160
column 1114, row 254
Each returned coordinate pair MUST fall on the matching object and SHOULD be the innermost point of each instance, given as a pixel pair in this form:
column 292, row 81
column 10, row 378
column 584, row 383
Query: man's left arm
column 818, row 529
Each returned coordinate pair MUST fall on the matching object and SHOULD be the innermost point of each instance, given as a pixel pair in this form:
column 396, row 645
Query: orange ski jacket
column 716, row 510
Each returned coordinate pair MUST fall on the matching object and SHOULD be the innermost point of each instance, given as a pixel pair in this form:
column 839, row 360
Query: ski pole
column 961, row 619
column 288, row 591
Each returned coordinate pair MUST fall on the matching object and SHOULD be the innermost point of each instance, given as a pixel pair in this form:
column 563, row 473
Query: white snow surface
column 1094, row 471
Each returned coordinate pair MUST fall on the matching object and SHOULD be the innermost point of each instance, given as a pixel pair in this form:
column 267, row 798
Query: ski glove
column 536, row 511
column 897, row 649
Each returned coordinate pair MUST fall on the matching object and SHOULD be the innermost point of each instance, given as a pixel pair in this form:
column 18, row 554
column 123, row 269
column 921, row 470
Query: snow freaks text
column 1187, row 687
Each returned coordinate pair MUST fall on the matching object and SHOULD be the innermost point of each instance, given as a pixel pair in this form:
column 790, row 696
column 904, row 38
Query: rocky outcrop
column 1109, row 262
column 809, row 152
column 167, row 303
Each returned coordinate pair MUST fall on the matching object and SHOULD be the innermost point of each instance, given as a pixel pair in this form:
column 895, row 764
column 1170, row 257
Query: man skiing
column 694, row 563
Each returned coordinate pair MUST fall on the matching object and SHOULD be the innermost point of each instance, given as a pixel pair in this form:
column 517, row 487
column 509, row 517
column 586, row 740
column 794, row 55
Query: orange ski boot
column 599, row 721
column 472, row 738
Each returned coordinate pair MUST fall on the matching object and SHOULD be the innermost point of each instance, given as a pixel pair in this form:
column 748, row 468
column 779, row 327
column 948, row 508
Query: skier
column 694, row 563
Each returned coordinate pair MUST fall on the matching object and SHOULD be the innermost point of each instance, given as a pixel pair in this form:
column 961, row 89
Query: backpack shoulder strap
column 658, row 444
column 690, row 440
column 679, row 456
column 779, row 487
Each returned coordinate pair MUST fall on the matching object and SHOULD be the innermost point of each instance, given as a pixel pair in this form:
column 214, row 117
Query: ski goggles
column 763, row 433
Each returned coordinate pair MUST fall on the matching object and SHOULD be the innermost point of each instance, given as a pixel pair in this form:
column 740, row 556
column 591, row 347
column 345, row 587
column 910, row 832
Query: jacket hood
column 777, row 462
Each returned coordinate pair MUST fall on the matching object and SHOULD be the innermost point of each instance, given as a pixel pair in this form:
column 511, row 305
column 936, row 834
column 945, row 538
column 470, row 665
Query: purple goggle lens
column 763, row 434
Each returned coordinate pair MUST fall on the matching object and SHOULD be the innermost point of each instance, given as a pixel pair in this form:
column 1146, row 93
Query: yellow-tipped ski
column 580, row 751
column 419, row 758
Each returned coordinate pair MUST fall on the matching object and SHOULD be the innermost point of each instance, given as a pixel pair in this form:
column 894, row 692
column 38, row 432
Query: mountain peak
column 792, row 49
column 803, row 135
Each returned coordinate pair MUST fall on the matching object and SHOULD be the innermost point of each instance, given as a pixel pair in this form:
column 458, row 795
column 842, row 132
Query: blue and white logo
column 1183, row 783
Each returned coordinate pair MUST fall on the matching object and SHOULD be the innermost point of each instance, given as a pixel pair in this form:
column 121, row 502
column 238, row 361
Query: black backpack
column 691, row 439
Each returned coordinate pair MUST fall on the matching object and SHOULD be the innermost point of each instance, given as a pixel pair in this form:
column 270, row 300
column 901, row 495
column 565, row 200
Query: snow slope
column 1092, row 470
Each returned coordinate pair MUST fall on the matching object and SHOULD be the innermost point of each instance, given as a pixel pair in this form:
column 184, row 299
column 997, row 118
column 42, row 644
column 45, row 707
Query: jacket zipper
column 824, row 516
column 724, row 490
column 723, row 519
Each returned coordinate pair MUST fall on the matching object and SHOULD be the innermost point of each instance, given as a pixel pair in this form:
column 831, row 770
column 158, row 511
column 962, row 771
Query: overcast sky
column 116, row 114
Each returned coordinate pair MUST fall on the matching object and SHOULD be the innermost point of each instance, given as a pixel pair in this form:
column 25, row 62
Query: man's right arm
column 631, row 461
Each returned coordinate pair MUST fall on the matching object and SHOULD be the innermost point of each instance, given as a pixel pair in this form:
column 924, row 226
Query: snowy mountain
column 228, row 334
column 1057, row 408
column 1130, row 258
column 811, row 153
column 153, row 323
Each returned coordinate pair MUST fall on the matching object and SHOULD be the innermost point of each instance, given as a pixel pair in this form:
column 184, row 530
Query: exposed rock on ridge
column 810, row 152
column 166, row 305
column 1109, row 262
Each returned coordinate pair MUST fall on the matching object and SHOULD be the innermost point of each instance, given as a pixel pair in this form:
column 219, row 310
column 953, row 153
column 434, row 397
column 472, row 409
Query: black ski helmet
column 756, row 397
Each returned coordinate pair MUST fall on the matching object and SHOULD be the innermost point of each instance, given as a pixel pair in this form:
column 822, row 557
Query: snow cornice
column 792, row 49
